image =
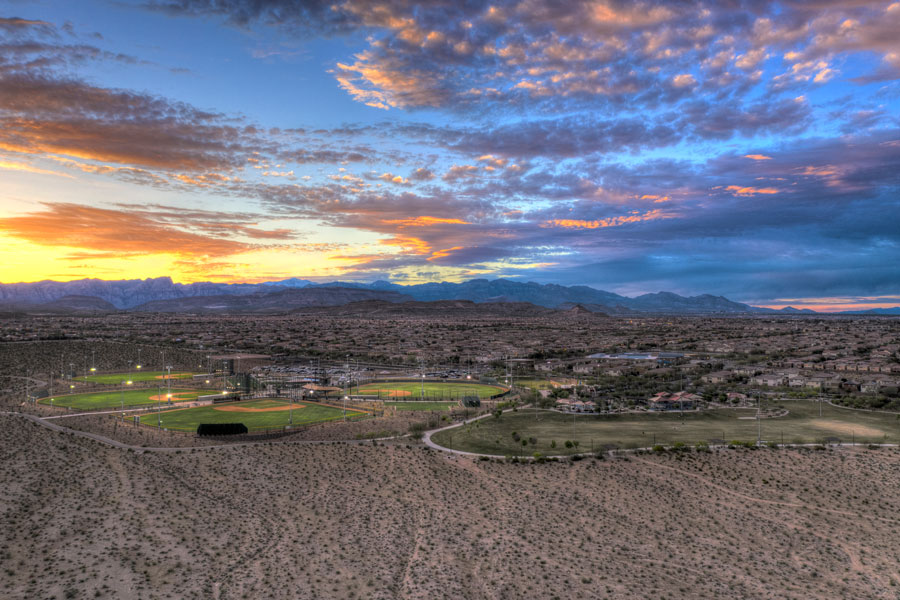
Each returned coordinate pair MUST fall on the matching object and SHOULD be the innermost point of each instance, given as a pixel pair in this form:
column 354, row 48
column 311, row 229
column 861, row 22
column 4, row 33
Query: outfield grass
column 433, row 389
column 115, row 398
column 305, row 413
column 134, row 376
column 801, row 425
column 420, row 405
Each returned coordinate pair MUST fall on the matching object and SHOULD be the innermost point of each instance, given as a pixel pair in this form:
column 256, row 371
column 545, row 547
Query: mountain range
column 163, row 295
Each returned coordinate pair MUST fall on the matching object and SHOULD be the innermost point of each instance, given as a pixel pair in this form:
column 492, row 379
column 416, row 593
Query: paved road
column 140, row 449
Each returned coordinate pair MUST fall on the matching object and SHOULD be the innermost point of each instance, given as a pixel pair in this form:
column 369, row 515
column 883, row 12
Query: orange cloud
column 610, row 222
column 444, row 253
column 112, row 233
column 758, row 157
column 750, row 191
column 410, row 244
column 424, row 222
column 17, row 166
column 655, row 198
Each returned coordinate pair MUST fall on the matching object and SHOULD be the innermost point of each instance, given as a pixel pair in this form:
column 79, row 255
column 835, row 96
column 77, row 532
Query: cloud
column 608, row 222
column 109, row 232
column 749, row 190
column 583, row 53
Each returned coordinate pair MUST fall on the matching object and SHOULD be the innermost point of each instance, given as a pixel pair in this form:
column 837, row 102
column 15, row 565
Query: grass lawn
column 419, row 405
column 433, row 389
column 255, row 414
column 801, row 425
column 133, row 376
column 115, row 398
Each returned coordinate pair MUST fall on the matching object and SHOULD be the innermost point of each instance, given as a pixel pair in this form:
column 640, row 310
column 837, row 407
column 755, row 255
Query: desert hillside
column 82, row 520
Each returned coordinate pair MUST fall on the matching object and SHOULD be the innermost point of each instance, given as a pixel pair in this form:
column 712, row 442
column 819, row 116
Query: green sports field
column 134, row 376
column 116, row 398
column 434, row 390
column 420, row 405
column 802, row 424
column 255, row 414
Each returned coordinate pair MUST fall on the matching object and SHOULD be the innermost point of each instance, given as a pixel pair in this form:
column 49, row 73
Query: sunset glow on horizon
column 749, row 152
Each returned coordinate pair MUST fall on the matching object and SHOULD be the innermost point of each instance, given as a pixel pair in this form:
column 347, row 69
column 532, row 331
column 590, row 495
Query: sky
column 749, row 149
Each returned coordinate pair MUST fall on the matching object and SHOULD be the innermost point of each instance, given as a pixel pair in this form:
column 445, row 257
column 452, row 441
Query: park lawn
column 640, row 430
column 433, row 389
column 118, row 378
column 116, row 398
column 305, row 413
column 420, row 405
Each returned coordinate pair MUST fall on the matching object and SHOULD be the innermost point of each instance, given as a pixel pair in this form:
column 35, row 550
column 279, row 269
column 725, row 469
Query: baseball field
column 119, row 398
column 255, row 414
column 430, row 390
column 134, row 376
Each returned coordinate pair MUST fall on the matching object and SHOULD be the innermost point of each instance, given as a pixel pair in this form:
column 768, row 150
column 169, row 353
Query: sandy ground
column 80, row 520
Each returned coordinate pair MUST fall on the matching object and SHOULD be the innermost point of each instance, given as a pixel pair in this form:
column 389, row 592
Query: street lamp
column 345, row 408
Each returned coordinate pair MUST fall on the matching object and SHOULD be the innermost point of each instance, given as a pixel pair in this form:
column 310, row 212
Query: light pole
column 122, row 393
column 158, row 406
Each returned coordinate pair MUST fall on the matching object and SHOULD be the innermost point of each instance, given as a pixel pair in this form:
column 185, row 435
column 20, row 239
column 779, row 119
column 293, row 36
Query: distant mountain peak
column 127, row 294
